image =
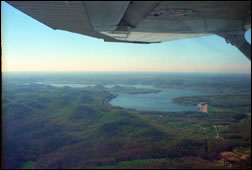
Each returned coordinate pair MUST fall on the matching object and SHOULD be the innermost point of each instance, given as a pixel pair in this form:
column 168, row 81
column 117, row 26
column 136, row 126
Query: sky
column 28, row 45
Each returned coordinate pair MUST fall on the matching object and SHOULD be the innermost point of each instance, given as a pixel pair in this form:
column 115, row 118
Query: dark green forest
column 49, row 127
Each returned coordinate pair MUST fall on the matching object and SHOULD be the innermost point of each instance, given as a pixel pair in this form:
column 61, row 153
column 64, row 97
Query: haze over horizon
column 30, row 46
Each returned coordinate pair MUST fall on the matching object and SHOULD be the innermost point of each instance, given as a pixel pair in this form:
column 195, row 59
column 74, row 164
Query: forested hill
column 49, row 127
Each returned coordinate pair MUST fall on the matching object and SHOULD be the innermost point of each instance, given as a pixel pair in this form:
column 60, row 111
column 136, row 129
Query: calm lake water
column 161, row 101
column 74, row 85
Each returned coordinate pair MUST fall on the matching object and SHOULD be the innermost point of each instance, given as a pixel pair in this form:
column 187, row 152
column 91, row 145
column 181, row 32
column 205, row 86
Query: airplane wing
column 145, row 21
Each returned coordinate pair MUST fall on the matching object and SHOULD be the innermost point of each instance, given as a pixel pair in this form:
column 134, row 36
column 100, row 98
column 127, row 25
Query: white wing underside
column 150, row 37
column 145, row 21
column 75, row 17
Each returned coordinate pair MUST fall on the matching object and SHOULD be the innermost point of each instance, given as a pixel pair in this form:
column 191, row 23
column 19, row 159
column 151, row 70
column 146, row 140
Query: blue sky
column 28, row 45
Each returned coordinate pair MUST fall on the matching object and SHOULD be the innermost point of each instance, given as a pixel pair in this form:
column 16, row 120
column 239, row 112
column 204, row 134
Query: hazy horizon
column 126, row 72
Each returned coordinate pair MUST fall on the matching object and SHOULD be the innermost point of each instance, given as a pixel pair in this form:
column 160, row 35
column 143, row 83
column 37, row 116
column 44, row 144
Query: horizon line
column 125, row 72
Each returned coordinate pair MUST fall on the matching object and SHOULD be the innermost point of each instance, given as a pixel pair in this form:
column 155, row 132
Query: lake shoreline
column 162, row 101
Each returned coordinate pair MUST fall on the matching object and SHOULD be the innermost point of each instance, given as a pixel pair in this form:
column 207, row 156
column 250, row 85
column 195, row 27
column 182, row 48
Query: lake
column 161, row 101
column 74, row 85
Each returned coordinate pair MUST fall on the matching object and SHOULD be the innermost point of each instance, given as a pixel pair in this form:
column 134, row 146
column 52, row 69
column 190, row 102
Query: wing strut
column 237, row 39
